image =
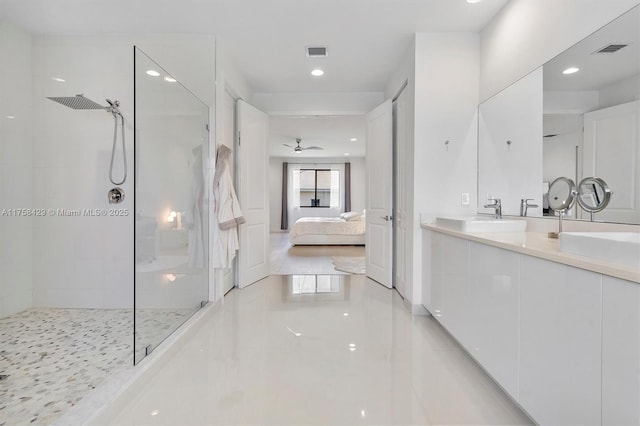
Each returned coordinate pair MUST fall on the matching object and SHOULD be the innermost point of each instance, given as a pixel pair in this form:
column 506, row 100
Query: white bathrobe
column 227, row 209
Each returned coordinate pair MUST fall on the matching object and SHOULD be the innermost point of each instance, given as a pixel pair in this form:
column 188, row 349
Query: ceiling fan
column 298, row 149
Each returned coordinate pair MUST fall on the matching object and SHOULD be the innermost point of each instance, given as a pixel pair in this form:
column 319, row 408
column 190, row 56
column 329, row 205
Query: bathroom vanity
column 560, row 333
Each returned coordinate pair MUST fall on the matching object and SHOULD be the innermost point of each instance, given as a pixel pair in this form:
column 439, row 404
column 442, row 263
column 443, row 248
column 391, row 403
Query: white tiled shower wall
column 81, row 261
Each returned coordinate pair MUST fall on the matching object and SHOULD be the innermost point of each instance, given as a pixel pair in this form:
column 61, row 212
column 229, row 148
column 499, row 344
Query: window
column 319, row 187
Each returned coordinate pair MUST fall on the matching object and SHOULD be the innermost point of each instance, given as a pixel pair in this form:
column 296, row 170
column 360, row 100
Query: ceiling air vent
column 316, row 52
column 611, row 48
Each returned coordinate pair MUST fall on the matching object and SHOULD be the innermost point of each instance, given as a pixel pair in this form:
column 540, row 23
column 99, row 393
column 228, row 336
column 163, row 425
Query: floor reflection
column 315, row 287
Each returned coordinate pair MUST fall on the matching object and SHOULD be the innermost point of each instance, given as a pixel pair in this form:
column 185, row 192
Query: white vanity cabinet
column 493, row 312
column 473, row 292
column 560, row 332
column 455, row 310
column 432, row 265
column 620, row 352
column 563, row 341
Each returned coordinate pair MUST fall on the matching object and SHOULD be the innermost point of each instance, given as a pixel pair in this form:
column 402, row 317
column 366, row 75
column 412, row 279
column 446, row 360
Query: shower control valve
column 116, row 195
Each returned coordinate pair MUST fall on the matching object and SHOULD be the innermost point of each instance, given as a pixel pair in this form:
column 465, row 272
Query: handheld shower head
column 79, row 102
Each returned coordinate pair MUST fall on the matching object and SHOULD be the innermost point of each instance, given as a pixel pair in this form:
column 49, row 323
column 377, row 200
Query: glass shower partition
column 171, row 218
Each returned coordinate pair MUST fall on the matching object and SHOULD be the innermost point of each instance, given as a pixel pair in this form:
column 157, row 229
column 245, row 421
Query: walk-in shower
column 87, row 287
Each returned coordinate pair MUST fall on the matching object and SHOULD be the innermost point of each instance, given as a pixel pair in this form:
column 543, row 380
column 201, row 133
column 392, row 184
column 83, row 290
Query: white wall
column 441, row 71
column 512, row 171
column 275, row 188
column 343, row 103
column 446, row 102
column 228, row 77
column 567, row 102
column 16, row 190
column 570, row 102
column 88, row 261
column 528, row 33
column 621, row 92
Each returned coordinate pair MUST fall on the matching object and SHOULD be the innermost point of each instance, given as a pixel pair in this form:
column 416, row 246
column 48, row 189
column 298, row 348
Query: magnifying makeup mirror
column 593, row 195
column 562, row 196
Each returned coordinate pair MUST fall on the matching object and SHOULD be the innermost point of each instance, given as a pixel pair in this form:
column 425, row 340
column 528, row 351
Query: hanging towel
column 226, row 207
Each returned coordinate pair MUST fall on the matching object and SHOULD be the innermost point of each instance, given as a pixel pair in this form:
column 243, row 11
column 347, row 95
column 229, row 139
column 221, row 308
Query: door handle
column 387, row 218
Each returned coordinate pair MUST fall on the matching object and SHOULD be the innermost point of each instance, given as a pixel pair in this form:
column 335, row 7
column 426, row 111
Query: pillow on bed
column 349, row 216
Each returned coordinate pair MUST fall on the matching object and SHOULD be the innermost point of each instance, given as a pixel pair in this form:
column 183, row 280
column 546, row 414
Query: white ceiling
column 266, row 39
column 333, row 134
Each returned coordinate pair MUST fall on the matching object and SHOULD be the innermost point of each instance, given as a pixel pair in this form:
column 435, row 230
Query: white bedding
column 327, row 230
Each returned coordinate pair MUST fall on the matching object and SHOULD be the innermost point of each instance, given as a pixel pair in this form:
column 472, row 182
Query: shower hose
column 113, row 149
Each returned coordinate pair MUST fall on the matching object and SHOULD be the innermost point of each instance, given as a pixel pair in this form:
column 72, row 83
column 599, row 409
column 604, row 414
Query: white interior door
column 612, row 152
column 253, row 194
column 379, row 203
column 400, row 221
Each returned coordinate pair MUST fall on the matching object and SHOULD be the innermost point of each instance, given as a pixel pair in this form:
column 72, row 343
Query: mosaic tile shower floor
column 53, row 357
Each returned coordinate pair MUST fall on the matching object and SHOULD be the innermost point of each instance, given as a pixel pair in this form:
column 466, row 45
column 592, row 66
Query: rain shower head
column 77, row 102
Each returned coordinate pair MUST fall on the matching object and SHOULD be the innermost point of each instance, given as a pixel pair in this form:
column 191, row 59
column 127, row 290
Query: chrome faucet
column 497, row 205
column 524, row 205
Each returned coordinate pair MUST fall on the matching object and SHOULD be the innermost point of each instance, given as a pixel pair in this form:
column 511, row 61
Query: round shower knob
column 116, row 195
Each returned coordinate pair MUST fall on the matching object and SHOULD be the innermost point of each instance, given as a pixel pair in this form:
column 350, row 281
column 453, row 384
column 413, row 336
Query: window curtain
column 347, row 187
column 284, row 216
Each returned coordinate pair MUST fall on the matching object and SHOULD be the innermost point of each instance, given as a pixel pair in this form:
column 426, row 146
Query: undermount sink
column 481, row 224
column 622, row 248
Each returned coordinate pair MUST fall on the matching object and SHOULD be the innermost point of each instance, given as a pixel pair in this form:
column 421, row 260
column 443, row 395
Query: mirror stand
column 562, row 196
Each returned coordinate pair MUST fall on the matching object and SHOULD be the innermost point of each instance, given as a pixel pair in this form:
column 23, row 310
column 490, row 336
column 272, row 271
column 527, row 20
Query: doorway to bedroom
column 317, row 194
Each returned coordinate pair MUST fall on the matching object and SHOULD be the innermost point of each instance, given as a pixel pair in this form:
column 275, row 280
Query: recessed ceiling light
column 473, row 1
column 353, row 139
column 571, row 70
column 153, row 73
column 317, row 72
column 11, row 117
column 346, row 153
column 58, row 79
column 169, row 79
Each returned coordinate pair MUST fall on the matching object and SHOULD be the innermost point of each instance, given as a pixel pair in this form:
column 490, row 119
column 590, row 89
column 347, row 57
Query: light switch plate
column 465, row 199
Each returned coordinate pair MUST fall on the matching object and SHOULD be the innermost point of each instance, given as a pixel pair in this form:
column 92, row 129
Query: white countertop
column 538, row 244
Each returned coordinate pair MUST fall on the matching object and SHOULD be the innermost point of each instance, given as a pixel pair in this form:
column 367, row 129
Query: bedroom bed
column 348, row 229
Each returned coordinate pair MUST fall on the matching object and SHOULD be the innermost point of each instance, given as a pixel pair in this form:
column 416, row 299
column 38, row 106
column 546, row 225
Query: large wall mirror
column 575, row 117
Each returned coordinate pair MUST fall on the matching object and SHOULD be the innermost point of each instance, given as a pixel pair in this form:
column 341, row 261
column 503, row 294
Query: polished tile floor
column 286, row 259
column 346, row 351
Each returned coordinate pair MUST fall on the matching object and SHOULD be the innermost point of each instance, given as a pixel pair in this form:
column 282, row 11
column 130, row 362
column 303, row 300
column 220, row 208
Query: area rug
column 352, row 265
